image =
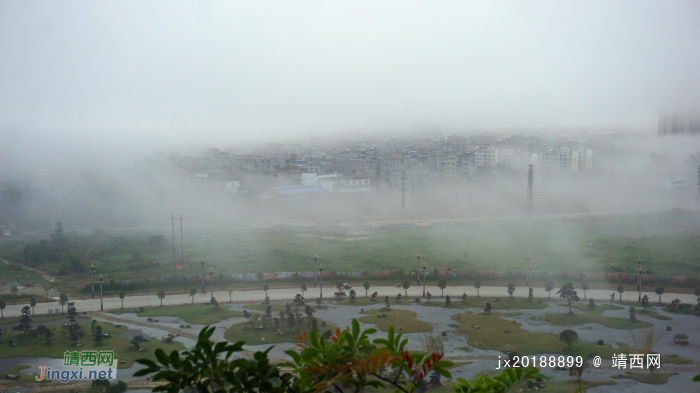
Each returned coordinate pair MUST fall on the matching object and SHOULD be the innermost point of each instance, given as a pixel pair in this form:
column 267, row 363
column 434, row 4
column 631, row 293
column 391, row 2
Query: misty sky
column 145, row 70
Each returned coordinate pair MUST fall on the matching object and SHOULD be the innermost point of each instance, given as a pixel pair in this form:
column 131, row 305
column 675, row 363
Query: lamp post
column 201, row 264
column 320, row 270
column 640, row 270
column 424, row 268
column 418, row 271
column 92, row 268
column 101, row 279
column 315, row 259
column 211, row 279
column 529, row 267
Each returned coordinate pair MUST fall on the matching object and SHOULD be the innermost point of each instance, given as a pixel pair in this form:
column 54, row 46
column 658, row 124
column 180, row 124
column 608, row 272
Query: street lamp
column 320, row 270
column 425, row 266
column 640, row 270
column 418, row 271
column 529, row 266
column 101, row 278
column 315, row 259
column 92, row 268
column 201, row 264
column 211, row 279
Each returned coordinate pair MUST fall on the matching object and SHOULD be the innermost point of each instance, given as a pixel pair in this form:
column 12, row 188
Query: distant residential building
column 313, row 179
column 564, row 160
column 679, row 122
column 346, row 184
column 451, row 166
column 675, row 183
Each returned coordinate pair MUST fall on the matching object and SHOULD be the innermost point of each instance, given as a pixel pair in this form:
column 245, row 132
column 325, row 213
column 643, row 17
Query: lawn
column 685, row 311
column 675, row 359
column 269, row 336
column 652, row 314
column 199, row 315
column 277, row 307
column 568, row 386
column 657, row 379
column 402, row 320
column 48, row 318
column 501, row 304
column 596, row 315
column 492, row 334
column 380, row 300
column 26, row 378
column 27, row 346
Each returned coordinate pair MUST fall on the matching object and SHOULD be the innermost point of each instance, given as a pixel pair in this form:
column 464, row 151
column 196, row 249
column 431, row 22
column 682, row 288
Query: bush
column 323, row 323
column 601, row 342
column 539, row 301
column 141, row 309
column 669, row 328
column 444, row 334
column 417, row 300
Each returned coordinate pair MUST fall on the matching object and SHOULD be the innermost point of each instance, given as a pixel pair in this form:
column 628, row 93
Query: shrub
column 669, row 328
column 141, row 309
column 323, row 323
column 601, row 342
column 417, row 300
column 444, row 334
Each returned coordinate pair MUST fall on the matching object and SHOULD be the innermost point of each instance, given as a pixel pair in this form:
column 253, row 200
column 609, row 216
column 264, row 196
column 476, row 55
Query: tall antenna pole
column 53, row 225
column 182, row 243
column 697, row 198
column 403, row 199
column 172, row 220
column 530, row 184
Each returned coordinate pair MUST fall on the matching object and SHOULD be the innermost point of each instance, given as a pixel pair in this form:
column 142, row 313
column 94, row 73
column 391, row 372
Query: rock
column 122, row 362
column 78, row 345
column 506, row 331
column 142, row 349
column 12, row 377
column 105, row 334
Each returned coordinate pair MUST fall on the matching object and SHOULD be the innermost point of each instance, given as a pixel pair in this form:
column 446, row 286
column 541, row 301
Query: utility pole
column 424, row 268
column 101, row 279
column 529, row 267
column 640, row 270
column 53, row 227
column 697, row 198
column 530, row 184
column 93, row 267
column 403, row 205
column 172, row 219
column 182, row 243
column 201, row 264
column 320, row 270
column 211, row 279
column 418, row 270
column 315, row 259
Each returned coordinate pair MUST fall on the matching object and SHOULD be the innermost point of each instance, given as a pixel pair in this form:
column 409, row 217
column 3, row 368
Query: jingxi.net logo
column 82, row 366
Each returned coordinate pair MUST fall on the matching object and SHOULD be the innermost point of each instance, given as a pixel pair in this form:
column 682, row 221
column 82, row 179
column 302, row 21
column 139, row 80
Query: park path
column 114, row 303
column 43, row 274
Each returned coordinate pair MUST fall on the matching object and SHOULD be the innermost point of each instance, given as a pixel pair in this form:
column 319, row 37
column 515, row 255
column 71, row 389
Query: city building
column 679, row 122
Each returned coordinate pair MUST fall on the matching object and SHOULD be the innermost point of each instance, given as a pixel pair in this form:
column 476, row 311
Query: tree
column 548, row 286
column 366, row 286
column 696, row 292
column 406, row 284
column 477, row 285
column 266, row 288
column 568, row 336
column 442, row 284
column 46, row 287
column 620, row 289
column 487, row 308
column 511, row 289
column 32, row 302
column 530, row 295
column 339, row 285
column 346, row 361
column 633, row 315
column 645, row 302
column 2, row 307
column 214, row 302
column 193, row 291
column 161, row 296
column 435, row 274
column 98, row 335
column 386, row 302
column 353, row 295
column 147, row 284
column 567, row 292
column 260, row 276
column 25, row 321
column 303, row 289
column 584, row 288
column 230, row 291
column 448, row 301
column 122, row 295
column 591, row 304
column 137, row 340
column 660, row 291
column 14, row 290
column 63, row 300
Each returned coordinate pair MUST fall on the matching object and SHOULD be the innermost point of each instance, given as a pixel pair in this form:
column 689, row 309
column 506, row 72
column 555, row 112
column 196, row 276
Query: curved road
column 288, row 293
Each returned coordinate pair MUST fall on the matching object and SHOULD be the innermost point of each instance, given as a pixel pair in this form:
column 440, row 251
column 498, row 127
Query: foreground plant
column 342, row 361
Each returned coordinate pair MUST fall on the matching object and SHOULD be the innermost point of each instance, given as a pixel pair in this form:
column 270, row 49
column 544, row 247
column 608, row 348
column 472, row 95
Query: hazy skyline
column 219, row 72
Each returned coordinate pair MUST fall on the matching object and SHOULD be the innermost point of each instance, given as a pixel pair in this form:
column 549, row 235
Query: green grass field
column 48, row 318
column 28, row 347
column 199, row 315
column 652, row 314
column 501, row 304
column 255, row 337
column 491, row 334
column 657, row 379
column 402, row 321
column 277, row 307
column 595, row 316
column 370, row 302
column 685, row 311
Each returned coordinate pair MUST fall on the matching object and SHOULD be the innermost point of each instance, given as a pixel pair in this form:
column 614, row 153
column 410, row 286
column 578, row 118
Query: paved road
column 313, row 293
